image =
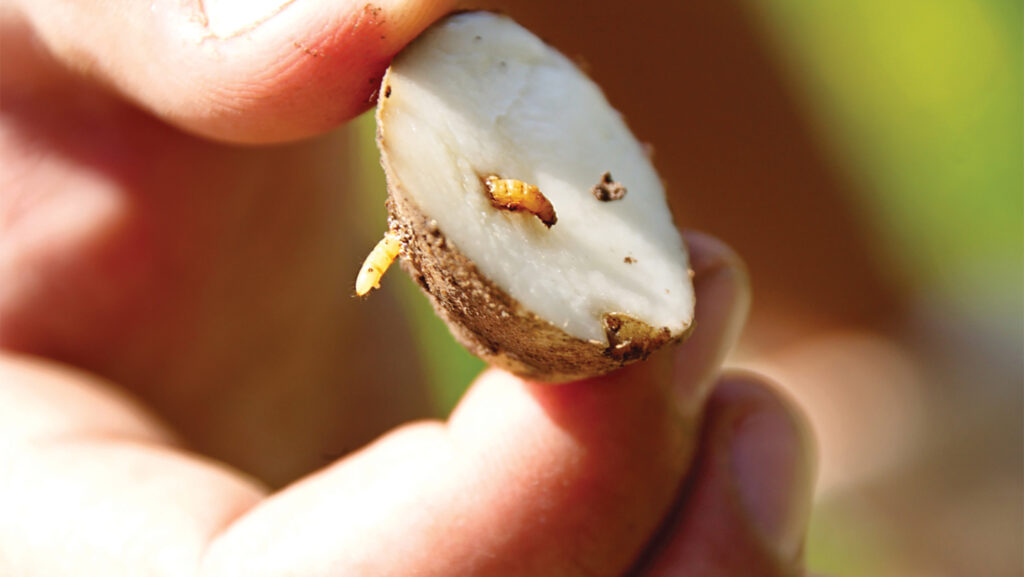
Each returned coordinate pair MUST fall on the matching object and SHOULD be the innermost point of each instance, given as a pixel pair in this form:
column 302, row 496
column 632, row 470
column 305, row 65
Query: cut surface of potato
column 582, row 276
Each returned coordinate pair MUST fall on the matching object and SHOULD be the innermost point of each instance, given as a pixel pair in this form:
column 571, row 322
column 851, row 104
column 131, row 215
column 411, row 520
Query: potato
column 523, row 206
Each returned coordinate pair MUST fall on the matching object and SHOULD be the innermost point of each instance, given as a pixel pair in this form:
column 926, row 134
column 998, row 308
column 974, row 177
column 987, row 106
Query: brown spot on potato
column 607, row 189
column 629, row 260
column 631, row 339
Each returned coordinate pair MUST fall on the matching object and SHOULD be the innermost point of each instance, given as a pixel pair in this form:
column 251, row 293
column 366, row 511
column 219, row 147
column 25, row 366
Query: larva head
column 486, row 134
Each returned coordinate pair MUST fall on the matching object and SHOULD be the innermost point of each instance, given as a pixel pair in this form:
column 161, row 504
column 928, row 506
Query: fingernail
column 774, row 474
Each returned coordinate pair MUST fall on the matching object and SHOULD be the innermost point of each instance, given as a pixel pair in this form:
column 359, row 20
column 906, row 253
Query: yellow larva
column 377, row 263
column 512, row 194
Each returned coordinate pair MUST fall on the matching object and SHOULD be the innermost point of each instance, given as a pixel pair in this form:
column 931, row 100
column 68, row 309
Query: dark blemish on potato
column 607, row 189
column 478, row 38
column 629, row 260
column 422, row 281
column 387, row 91
column 514, row 195
column 631, row 339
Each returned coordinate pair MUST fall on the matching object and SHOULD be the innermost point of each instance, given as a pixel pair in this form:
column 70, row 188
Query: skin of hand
column 160, row 278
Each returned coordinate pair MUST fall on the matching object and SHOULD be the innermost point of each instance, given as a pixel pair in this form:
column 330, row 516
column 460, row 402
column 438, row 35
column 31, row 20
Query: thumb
column 235, row 70
column 745, row 509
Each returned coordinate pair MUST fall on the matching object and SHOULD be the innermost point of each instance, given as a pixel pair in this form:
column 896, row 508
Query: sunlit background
column 869, row 144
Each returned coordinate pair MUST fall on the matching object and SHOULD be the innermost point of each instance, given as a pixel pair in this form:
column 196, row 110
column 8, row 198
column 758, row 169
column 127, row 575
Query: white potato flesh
column 479, row 95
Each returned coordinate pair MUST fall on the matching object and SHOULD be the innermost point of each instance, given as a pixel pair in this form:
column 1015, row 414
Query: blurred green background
column 920, row 104
column 923, row 100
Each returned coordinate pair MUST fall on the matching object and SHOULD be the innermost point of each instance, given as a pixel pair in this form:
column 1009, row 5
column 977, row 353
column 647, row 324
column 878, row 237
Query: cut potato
column 526, row 210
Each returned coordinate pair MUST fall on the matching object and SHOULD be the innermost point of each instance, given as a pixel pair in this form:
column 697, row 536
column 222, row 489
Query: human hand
column 150, row 256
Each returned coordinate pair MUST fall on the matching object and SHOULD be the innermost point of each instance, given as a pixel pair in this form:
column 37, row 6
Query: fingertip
column 740, row 388
column 747, row 504
column 772, row 462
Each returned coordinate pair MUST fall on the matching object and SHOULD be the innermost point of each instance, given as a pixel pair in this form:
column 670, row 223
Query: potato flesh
column 477, row 96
